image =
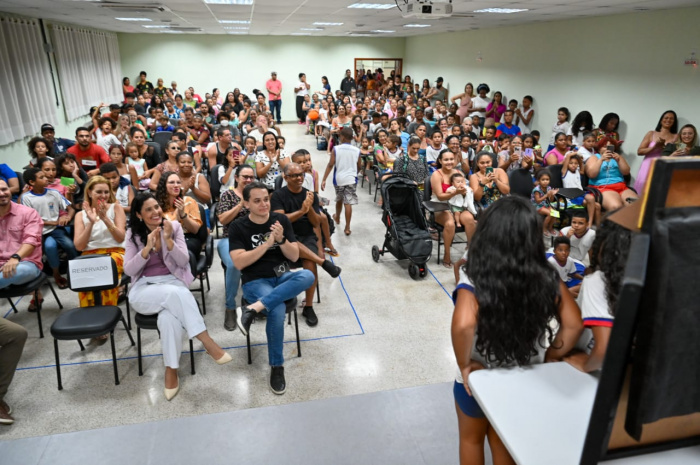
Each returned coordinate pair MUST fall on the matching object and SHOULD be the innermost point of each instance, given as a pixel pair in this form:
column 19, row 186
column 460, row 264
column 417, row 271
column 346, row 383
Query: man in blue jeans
column 262, row 245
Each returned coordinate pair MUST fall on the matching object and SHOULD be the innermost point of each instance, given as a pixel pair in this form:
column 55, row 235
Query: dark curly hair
column 138, row 227
column 161, row 195
column 35, row 140
column 582, row 120
column 610, row 250
column 517, row 290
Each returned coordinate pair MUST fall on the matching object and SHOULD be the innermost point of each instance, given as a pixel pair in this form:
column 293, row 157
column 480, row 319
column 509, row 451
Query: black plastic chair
column 200, row 268
column 32, row 287
column 162, row 138
column 215, row 190
column 150, row 322
column 521, row 183
column 126, row 281
column 431, row 208
column 158, row 149
column 291, row 309
column 88, row 322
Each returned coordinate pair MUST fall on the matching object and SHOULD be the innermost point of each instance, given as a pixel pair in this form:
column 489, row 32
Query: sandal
column 62, row 283
column 332, row 252
column 347, row 232
column 33, row 307
column 447, row 264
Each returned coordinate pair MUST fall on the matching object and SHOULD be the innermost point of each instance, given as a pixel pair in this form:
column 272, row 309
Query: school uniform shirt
column 345, row 169
column 431, row 154
column 106, row 141
column 584, row 153
column 246, row 235
column 49, row 205
column 572, row 180
column 564, row 271
column 595, row 310
column 579, row 245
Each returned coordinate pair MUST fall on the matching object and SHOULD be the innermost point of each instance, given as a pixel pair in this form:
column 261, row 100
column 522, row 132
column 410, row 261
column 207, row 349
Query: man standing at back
column 274, row 88
column 262, row 245
column 302, row 90
column 348, row 83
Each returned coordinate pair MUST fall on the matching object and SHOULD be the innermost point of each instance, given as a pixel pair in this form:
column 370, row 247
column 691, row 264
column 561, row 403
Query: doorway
column 386, row 64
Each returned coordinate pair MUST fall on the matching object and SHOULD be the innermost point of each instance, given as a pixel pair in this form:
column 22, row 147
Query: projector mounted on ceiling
column 427, row 9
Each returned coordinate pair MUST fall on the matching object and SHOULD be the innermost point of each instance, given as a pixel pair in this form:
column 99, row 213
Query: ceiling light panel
column 501, row 10
column 328, row 24
column 373, row 6
column 417, row 25
column 229, row 2
column 133, row 19
column 233, row 21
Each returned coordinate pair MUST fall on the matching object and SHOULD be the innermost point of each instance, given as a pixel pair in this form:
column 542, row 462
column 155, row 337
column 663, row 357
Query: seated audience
column 56, row 212
column 606, row 171
column 57, row 145
column 67, row 167
column 88, row 154
column 180, row 209
column 194, row 184
column 564, row 265
column 599, row 294
column 262, row 246
column 413, row 164
column 38, row 148
column 524, row 302
column 542, row 197
column 686, row 145
column 170, row 164
column 159, row 266
column 269, row 161
column 488, row 183
column 581, row 237
column 121, row 188
column 230, row 208
column 302, row 208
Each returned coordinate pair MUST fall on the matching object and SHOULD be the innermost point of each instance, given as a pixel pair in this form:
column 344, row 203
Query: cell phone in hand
column 236, row 153
column 611, row 148
column 529, row 153
column 518, row 150
column 489, row 170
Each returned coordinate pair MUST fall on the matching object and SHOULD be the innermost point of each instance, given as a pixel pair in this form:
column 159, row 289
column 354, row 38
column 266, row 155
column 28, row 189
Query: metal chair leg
column 127, row 331
column 247, row 339
column 138, row 345
column 38, row 313
column 439, row 242
column 206, row 275
column 58, row 364
column 296, row 327
column 318, row 292
column 12, row 304
column 192, row 356
column 114, row 358
column 55, row 296
column 80, row 343
column 128, row 307
column 204, row 302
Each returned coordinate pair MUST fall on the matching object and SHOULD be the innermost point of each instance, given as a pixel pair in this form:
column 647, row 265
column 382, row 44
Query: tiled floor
column 379, row 330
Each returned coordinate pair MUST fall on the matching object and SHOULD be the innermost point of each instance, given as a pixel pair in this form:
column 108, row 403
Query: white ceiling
column 285, row 17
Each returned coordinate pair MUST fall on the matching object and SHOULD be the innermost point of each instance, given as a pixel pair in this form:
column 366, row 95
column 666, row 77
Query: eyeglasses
column 295, row 175
column 247, row 177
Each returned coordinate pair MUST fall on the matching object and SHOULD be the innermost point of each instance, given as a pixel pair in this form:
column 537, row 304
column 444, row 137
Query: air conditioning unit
column 427, row 9
column 134, row 7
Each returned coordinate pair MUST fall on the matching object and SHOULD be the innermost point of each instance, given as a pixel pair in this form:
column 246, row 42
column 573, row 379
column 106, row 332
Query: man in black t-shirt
column 302, row 208
column 262, row 245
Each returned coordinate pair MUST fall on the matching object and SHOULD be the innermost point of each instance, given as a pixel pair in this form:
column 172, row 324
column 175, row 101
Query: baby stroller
column 407, row 235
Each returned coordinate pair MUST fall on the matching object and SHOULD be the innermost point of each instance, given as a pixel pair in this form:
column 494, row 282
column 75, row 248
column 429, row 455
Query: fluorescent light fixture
column 360, row 35
column 133, row 19
column 234, row 21
column 311, row 29
column 242, row 28
column 501, row 10
column 237, row 32
column 156, row 27
column 381, row 31
column 417, row 25
column 301, row 33
column 328, row 24
column 172, row 32
column 229, row 2
column 373, row 6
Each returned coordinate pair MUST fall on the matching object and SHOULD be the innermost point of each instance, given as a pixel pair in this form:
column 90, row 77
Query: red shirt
column 276, row 87
column 21, row 225
column 91, row 158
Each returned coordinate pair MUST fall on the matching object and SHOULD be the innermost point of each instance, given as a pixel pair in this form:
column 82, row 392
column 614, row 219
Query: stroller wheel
column 375, row 253
column 423, row 270
column 413, row 271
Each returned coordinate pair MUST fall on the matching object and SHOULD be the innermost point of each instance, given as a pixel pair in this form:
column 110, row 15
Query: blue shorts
column 467, row 404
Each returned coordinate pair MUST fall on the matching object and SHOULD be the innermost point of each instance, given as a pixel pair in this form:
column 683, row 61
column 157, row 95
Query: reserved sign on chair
column 95, row 271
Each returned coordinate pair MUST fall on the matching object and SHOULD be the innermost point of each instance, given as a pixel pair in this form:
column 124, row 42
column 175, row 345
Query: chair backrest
column 214, row 183
column 278, row 182
column 158, row 149
column 21, row 181
column 521, row 182
column 555, row 180
column 427, row 188
column 92, row 273
column 175, row 122
column 162, row 138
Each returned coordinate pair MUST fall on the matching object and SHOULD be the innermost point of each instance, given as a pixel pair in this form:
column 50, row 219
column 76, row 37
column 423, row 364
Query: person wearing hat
column 58, row 144
column 437, row 93
column 274, row 89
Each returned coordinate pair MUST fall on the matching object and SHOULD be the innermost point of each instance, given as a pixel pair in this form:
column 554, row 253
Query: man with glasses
column 302, row 208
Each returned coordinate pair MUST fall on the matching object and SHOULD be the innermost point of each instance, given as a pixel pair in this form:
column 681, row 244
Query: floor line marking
column 443, row 287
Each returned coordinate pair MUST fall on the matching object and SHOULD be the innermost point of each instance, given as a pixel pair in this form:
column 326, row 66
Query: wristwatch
column 16, row 257
column 284, row 239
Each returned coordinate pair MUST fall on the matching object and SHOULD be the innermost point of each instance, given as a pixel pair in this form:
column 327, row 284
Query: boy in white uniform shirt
column 345, row 159
column 580, row 235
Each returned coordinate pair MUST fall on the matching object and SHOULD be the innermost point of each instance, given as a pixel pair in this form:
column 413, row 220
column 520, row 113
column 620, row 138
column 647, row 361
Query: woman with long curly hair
column 505, row 302
column 599, row 293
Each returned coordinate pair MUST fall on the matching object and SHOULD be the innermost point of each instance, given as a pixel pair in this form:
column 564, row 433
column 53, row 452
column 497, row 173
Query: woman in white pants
column 159, row 265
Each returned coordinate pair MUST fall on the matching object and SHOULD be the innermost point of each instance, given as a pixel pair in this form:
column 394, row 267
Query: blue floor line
column 349, row 301
column 186, row 352
column 10, row 310
column 443, row 287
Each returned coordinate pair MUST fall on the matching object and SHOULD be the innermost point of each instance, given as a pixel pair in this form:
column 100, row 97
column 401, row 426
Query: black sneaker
column 310, row 315
column 244, row 318
column 277, row 382
column 331, row 269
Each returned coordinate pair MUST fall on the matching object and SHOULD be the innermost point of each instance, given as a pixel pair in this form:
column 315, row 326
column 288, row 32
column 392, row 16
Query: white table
column 540, row 412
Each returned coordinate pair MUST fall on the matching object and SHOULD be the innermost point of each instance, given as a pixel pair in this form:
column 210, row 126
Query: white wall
column 628, row 64
column 228, row 61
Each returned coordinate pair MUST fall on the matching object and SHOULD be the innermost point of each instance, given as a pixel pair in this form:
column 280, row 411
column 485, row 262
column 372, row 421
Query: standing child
column 460, row 202
column 571, row 178
column 562, row 125
column 137, row 167
column 489, row 144
column 56, row 212
column 565, row 265
column 345, row 161
column 598, row 298
column 541, row 194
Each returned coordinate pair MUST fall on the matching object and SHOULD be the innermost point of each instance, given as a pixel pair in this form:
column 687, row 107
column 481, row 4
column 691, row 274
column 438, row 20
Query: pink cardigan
column 177, row 260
